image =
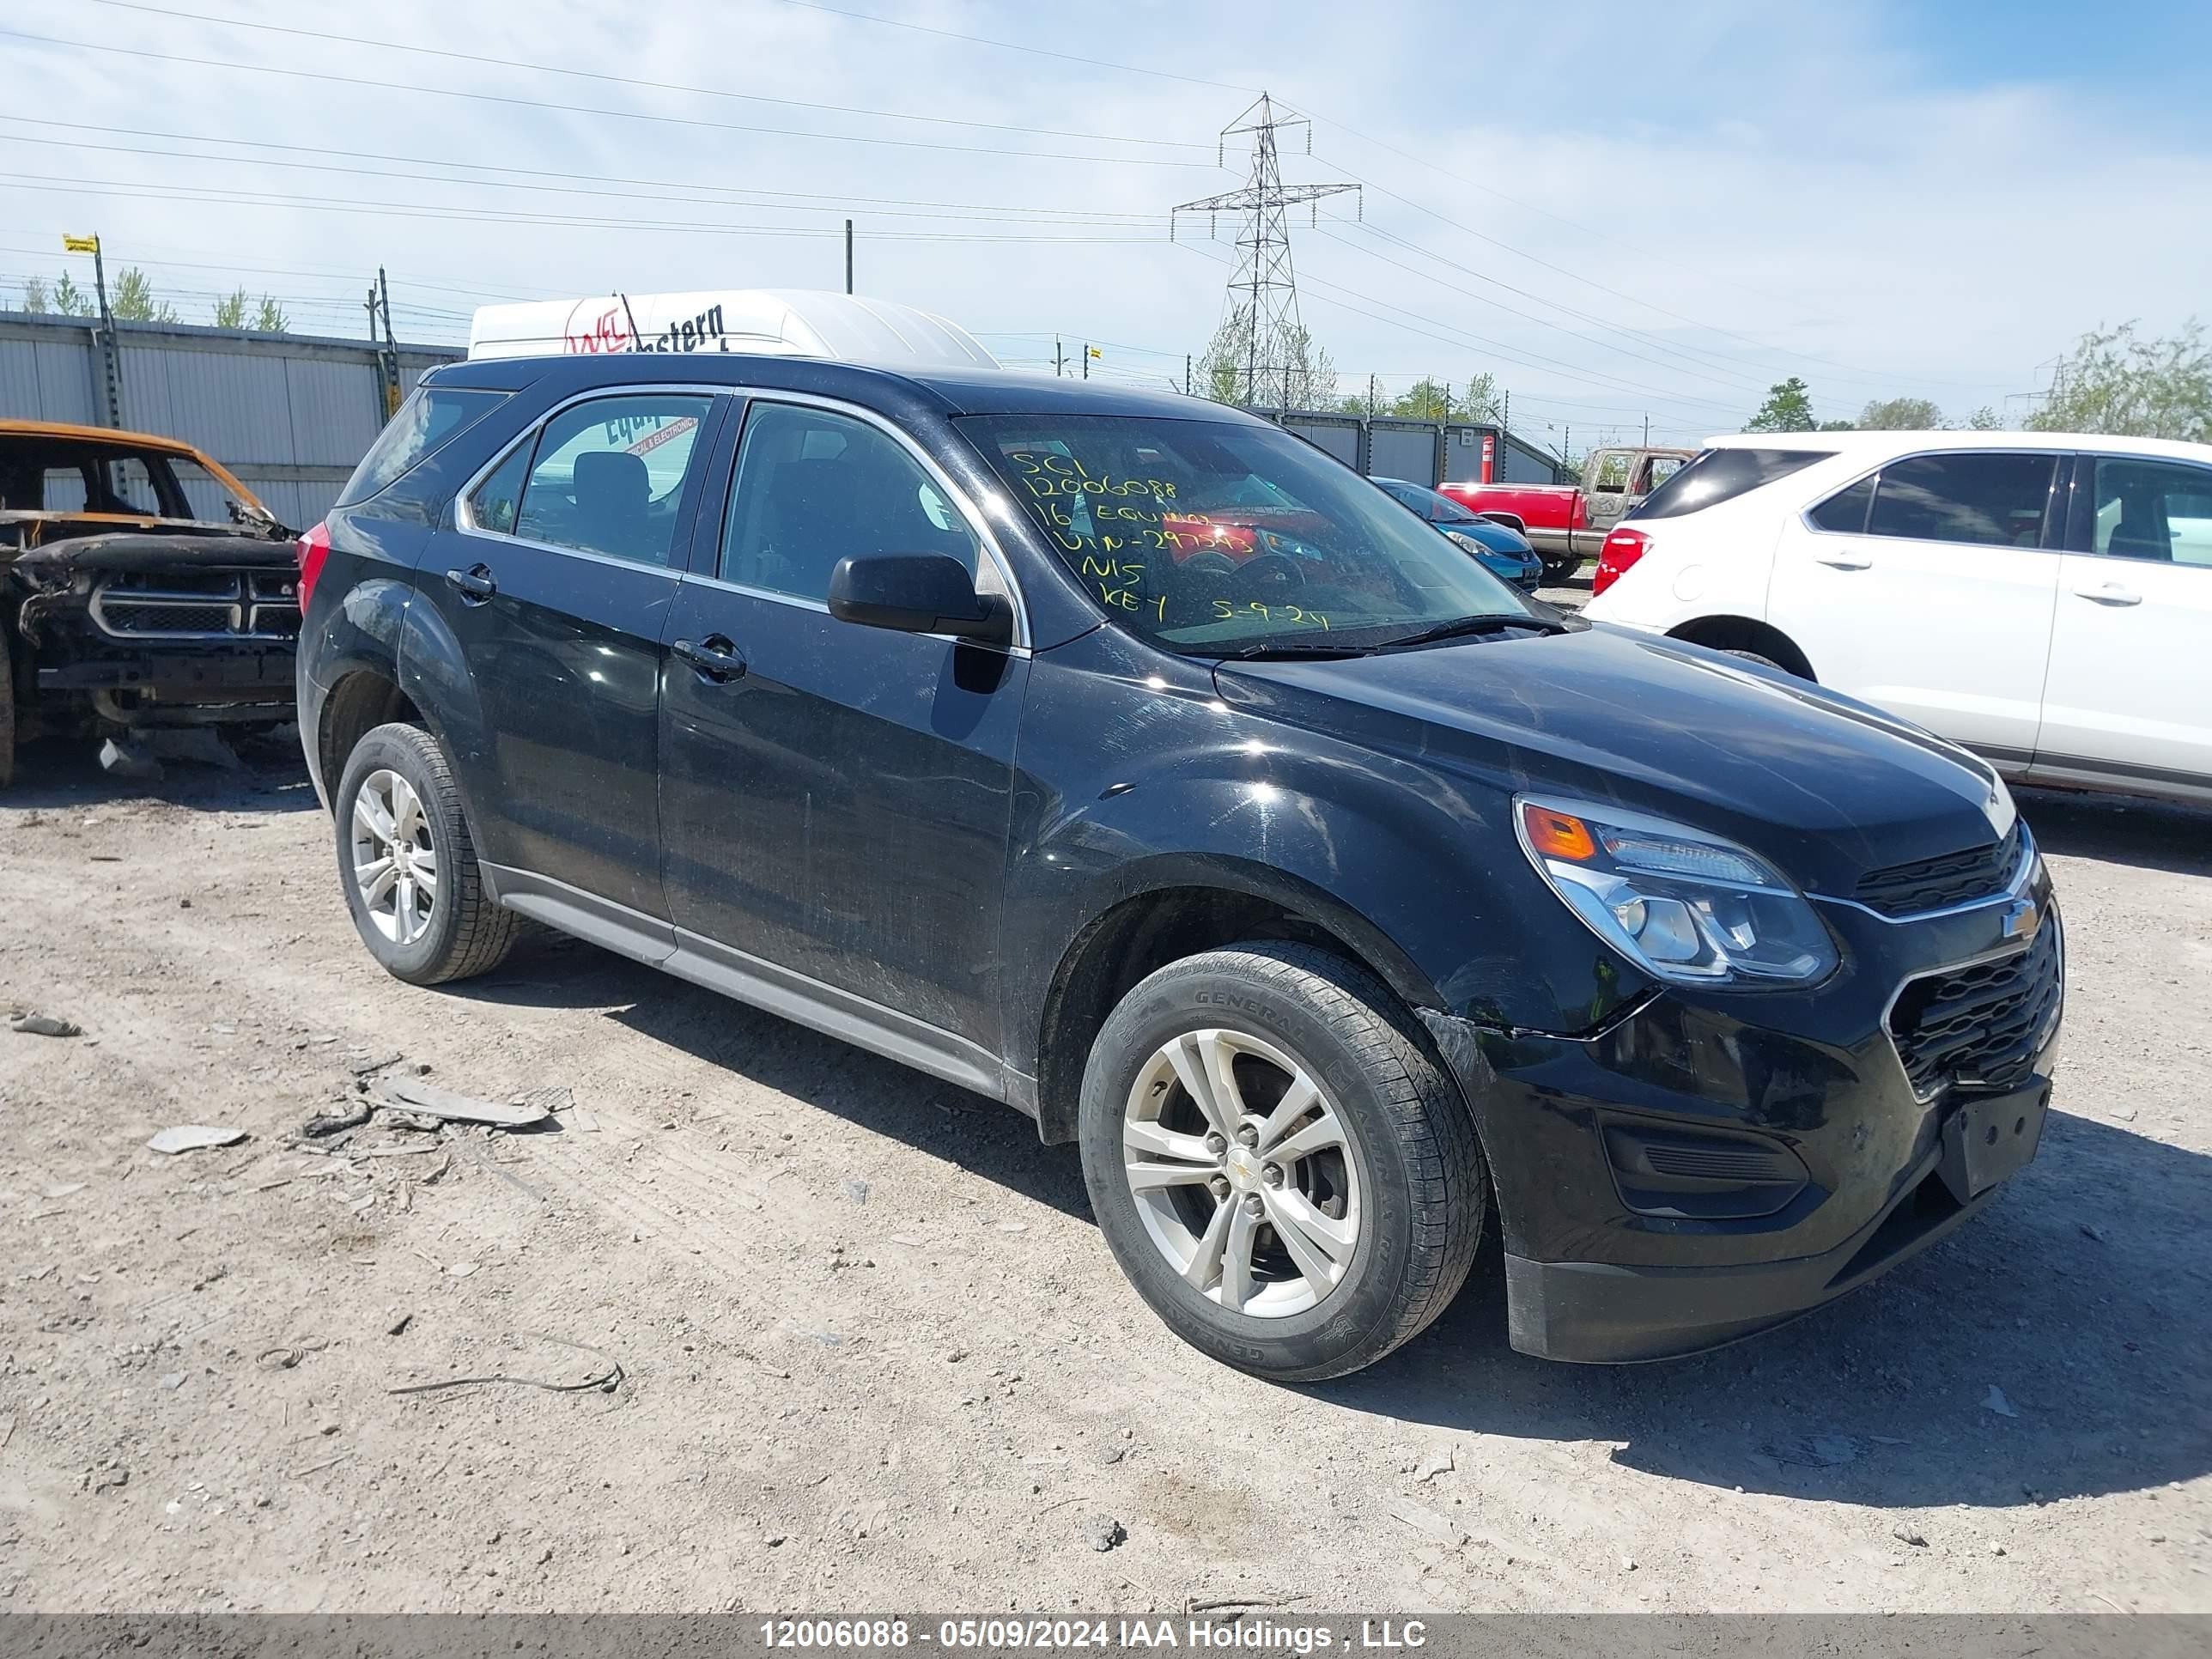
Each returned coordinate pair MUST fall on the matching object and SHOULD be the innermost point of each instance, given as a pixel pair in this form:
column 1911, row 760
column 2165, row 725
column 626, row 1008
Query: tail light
column 314, row 548
column 1621, row 549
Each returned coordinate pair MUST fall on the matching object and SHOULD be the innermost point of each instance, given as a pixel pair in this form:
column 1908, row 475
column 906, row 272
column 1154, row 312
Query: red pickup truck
column 1566, row 524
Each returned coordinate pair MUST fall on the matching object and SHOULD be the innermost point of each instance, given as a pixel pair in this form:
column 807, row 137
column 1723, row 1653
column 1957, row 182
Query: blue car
column 1504, row 552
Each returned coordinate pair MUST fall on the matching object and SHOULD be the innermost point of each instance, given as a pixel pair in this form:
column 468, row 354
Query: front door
column 1927, row 589
column 835, row 797
column 2129, row 692
column 556, row 580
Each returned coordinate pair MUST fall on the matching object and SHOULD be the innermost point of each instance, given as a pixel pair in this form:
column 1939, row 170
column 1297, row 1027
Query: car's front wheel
column 1283, row 1173
column 408, row 865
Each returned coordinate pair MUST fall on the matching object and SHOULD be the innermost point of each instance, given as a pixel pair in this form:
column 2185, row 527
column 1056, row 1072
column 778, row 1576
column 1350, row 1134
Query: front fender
column 1165, row 784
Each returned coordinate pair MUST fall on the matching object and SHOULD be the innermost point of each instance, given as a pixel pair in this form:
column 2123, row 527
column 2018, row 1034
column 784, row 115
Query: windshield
column 1209, row 536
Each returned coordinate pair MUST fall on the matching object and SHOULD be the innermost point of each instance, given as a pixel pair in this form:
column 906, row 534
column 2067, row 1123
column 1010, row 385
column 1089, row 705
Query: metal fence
column 289, row 414
column 1422, row 452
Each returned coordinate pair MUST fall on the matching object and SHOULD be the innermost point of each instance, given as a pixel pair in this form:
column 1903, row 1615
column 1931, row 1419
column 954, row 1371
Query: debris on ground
column 329, row 1123
column 605, row 1379
column 129, row 760
column 1994, row 1400
column 1103, row 1532
column 855, row 1190
column 193, row 1138
column 412, row 1094
column 1905, row 1533
column 52, row 1025
column 1437, row 1462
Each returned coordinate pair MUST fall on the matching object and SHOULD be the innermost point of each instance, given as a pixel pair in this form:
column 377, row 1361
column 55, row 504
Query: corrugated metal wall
column 291, row 415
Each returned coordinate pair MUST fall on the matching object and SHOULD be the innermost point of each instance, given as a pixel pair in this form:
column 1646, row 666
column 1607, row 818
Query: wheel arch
column 1177, row 908
column 1729, row 632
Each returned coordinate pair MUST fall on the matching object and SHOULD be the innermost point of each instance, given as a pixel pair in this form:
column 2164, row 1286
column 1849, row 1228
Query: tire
column 464, row 932
column 1405, row 1179
column 1754, row 656
column 1559, row 572
column 7, row 708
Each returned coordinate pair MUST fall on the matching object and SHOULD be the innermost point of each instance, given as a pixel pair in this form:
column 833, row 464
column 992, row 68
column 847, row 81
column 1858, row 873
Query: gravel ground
column 873, row 1354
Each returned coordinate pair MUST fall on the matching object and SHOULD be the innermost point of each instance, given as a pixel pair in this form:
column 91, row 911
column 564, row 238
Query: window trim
column 465, row 521
column 2080, row 536
column 958, row 498
column 2055, row 506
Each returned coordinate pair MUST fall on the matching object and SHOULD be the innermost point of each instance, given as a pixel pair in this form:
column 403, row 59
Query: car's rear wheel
column 408, row 864
column 1560, row 569
column 1280, row 1169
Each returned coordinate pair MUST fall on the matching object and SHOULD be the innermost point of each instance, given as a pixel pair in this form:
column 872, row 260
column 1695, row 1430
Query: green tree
column 233, row 310
column 2114, row 382
column 1901, row 414
column 134, row 300
column 1423, row 400
column 1984, row 419
column 1483, row 401
column 1307, row 379
column 69, row 299
column 230, row 310
column 1788, row 408
column 34, row 294
column 270, row 317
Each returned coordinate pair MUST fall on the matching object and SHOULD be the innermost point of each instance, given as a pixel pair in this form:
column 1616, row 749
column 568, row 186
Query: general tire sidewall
column 385, row 749
column 1366, row 1302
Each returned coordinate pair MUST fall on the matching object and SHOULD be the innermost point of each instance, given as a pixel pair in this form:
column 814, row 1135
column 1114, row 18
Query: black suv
column 1124, row 758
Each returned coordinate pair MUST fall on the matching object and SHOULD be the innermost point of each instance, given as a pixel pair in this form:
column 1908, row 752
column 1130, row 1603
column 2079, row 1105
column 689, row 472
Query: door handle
column 1845, row 561
column 713, row 658
column 475, row 585
column 2110, row 593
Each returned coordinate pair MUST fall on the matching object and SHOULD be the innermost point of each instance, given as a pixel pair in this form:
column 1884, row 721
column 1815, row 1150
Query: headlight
column 1466, row 542
column 1687, row 906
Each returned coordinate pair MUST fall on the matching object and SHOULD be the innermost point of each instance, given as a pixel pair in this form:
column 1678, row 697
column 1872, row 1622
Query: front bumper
column 1810, row 1089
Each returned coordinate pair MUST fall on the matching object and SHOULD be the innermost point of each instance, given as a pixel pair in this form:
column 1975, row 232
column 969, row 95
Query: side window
column 1987, row 498
column 1610, row 476
column 1845, row 512
column 813, row 487
column 428, row 417
column 63, row 490
column 609, row 475
column 134, row 485
column 499, row 498
column 1655, row 472
column 2154, row 510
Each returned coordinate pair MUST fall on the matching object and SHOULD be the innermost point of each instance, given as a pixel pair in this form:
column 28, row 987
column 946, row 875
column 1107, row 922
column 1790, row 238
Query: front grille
column 1937, row 883
column 209, row 605
column 1979, row 1026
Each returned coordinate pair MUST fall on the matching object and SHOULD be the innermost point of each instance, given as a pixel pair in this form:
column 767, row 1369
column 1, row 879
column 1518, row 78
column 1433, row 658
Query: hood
column 205, row 548
column 1823, row 787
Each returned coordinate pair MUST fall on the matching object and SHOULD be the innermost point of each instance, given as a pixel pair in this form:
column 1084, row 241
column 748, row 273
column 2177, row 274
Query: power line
column 627, row 81
column 1086, row 61
column 663, row 189
column 513, row 101
column 128, row 189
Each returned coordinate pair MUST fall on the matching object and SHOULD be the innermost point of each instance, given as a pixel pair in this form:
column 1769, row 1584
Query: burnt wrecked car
column 141, row 586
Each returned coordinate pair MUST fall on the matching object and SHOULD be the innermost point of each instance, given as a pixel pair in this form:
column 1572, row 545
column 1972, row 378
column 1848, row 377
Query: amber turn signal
column 1558, row 834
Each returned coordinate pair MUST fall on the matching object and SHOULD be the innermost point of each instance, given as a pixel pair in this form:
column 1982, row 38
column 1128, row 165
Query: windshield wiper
column 1459, row 627
column 1281, row 650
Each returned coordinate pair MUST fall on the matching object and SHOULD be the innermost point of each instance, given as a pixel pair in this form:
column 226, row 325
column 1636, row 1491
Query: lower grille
column 207, row 604
column 1979, row 1026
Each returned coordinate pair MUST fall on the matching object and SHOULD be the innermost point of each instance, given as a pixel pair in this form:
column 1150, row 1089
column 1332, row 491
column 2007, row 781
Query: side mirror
column 918, row 593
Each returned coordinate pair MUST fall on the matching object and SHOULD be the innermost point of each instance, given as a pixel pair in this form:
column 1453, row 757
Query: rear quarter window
column 1722, row 475
column 425, row 421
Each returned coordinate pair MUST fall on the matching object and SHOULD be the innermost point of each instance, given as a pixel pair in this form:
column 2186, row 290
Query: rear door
column 557, row 581
column 1927, row 588
column 2129, row 692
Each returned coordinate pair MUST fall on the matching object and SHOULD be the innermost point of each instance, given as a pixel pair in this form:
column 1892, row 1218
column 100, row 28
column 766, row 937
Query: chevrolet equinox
column 1122, row 757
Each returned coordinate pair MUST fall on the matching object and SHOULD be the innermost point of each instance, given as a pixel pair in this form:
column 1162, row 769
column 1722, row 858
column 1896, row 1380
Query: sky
column 1621, row 212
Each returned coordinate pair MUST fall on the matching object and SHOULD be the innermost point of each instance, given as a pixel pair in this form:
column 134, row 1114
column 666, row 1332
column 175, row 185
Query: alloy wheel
column 395, row 862
column 1242, row 1172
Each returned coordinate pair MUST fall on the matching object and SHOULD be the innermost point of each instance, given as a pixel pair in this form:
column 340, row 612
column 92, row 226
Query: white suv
column 2041, row 598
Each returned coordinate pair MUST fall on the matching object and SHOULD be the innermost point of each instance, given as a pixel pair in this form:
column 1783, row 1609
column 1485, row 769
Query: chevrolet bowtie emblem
column 2021, row 918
